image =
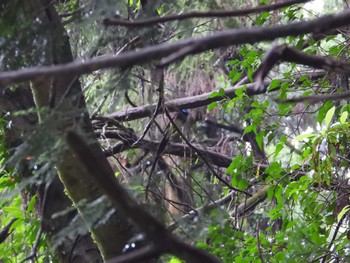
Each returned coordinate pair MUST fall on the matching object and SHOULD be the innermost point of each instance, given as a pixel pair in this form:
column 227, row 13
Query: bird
column 179, row 118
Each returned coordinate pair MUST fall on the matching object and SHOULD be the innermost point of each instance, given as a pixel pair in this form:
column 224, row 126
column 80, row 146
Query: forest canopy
column 174, row 131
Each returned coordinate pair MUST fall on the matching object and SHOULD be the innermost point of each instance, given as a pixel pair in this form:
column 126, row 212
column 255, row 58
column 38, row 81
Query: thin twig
column 157, row 109
column 202, row 156
column 333, row 237
column 198, row 211
column 258, row 242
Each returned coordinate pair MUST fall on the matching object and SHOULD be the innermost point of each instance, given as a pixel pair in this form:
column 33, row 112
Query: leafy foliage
column 254, row 176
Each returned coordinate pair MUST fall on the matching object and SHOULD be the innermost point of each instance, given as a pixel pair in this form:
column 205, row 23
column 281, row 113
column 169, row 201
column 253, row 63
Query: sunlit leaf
column 212, row 105
column 221, row 92
column 323, row 110
column 304, row 136
column 343, row 117
column 343, row 212
column 329, row 116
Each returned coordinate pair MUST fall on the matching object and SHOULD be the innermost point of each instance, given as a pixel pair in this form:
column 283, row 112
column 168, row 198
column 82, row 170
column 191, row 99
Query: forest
column 174, row 131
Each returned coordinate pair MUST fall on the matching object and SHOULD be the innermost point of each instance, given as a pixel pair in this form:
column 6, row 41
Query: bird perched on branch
column 179, row 118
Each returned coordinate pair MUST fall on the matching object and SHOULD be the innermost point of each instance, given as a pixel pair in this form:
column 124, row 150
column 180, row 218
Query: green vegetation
column 207, row 136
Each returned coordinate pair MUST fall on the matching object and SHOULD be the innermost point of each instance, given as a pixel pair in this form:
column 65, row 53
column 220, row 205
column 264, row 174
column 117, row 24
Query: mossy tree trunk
column 60, row 103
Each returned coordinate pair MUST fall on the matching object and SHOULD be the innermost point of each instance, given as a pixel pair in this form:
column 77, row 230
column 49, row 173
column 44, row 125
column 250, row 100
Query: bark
column 61, row 107
column 82, row 188
column 77, row 248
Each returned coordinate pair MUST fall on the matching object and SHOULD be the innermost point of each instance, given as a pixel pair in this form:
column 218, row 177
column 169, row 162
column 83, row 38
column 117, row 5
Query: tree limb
column 181, row 103
column 154, row 230
column 198, row 14
column 312, row 99
column 221, row 39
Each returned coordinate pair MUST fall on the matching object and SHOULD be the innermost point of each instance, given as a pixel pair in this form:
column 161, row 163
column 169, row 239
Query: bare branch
column 154, row 230
column 177, row 149
column 221, row 39
column 198, row 14
column 217, row 203
column 312, row 99
column 181, row 103
column 203, row 157
column 285, row 53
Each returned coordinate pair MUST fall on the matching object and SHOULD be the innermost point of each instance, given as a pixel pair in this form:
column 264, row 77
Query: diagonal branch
column 202, row 156
column 288, row 54
column 154, row 230
column 221, row 39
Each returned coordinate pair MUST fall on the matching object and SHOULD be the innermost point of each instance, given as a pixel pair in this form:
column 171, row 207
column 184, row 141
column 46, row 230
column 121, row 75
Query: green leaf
column 243, row 184
column 250, row 73
column 212, row 105
column 280, row 145
column 270, row 192
column 31, row 205
column 278, row 148
column 278, row 194
column 343, row 212
column 329, row 38
column 336, row 49
column 17, row 223
column 236, row 77
column 239, row 92
column 221, row 92
column 213, row 94
column 236, row 162
column 279, row 256
column 329, row 116
column 323, row 110
column 248, row 129
column 262, row 18
column 343, row 117
column 14, row 211
column 284, row 109
column 304, row 136
column 175, row 260
column 274, row 84
column 260, row 139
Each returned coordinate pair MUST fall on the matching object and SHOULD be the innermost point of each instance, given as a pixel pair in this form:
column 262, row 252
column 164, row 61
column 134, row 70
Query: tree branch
column 312, row 99
column 198, row 14
column 5, row 231
column 154, row 230
column 221, row 39
column 181, row 103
